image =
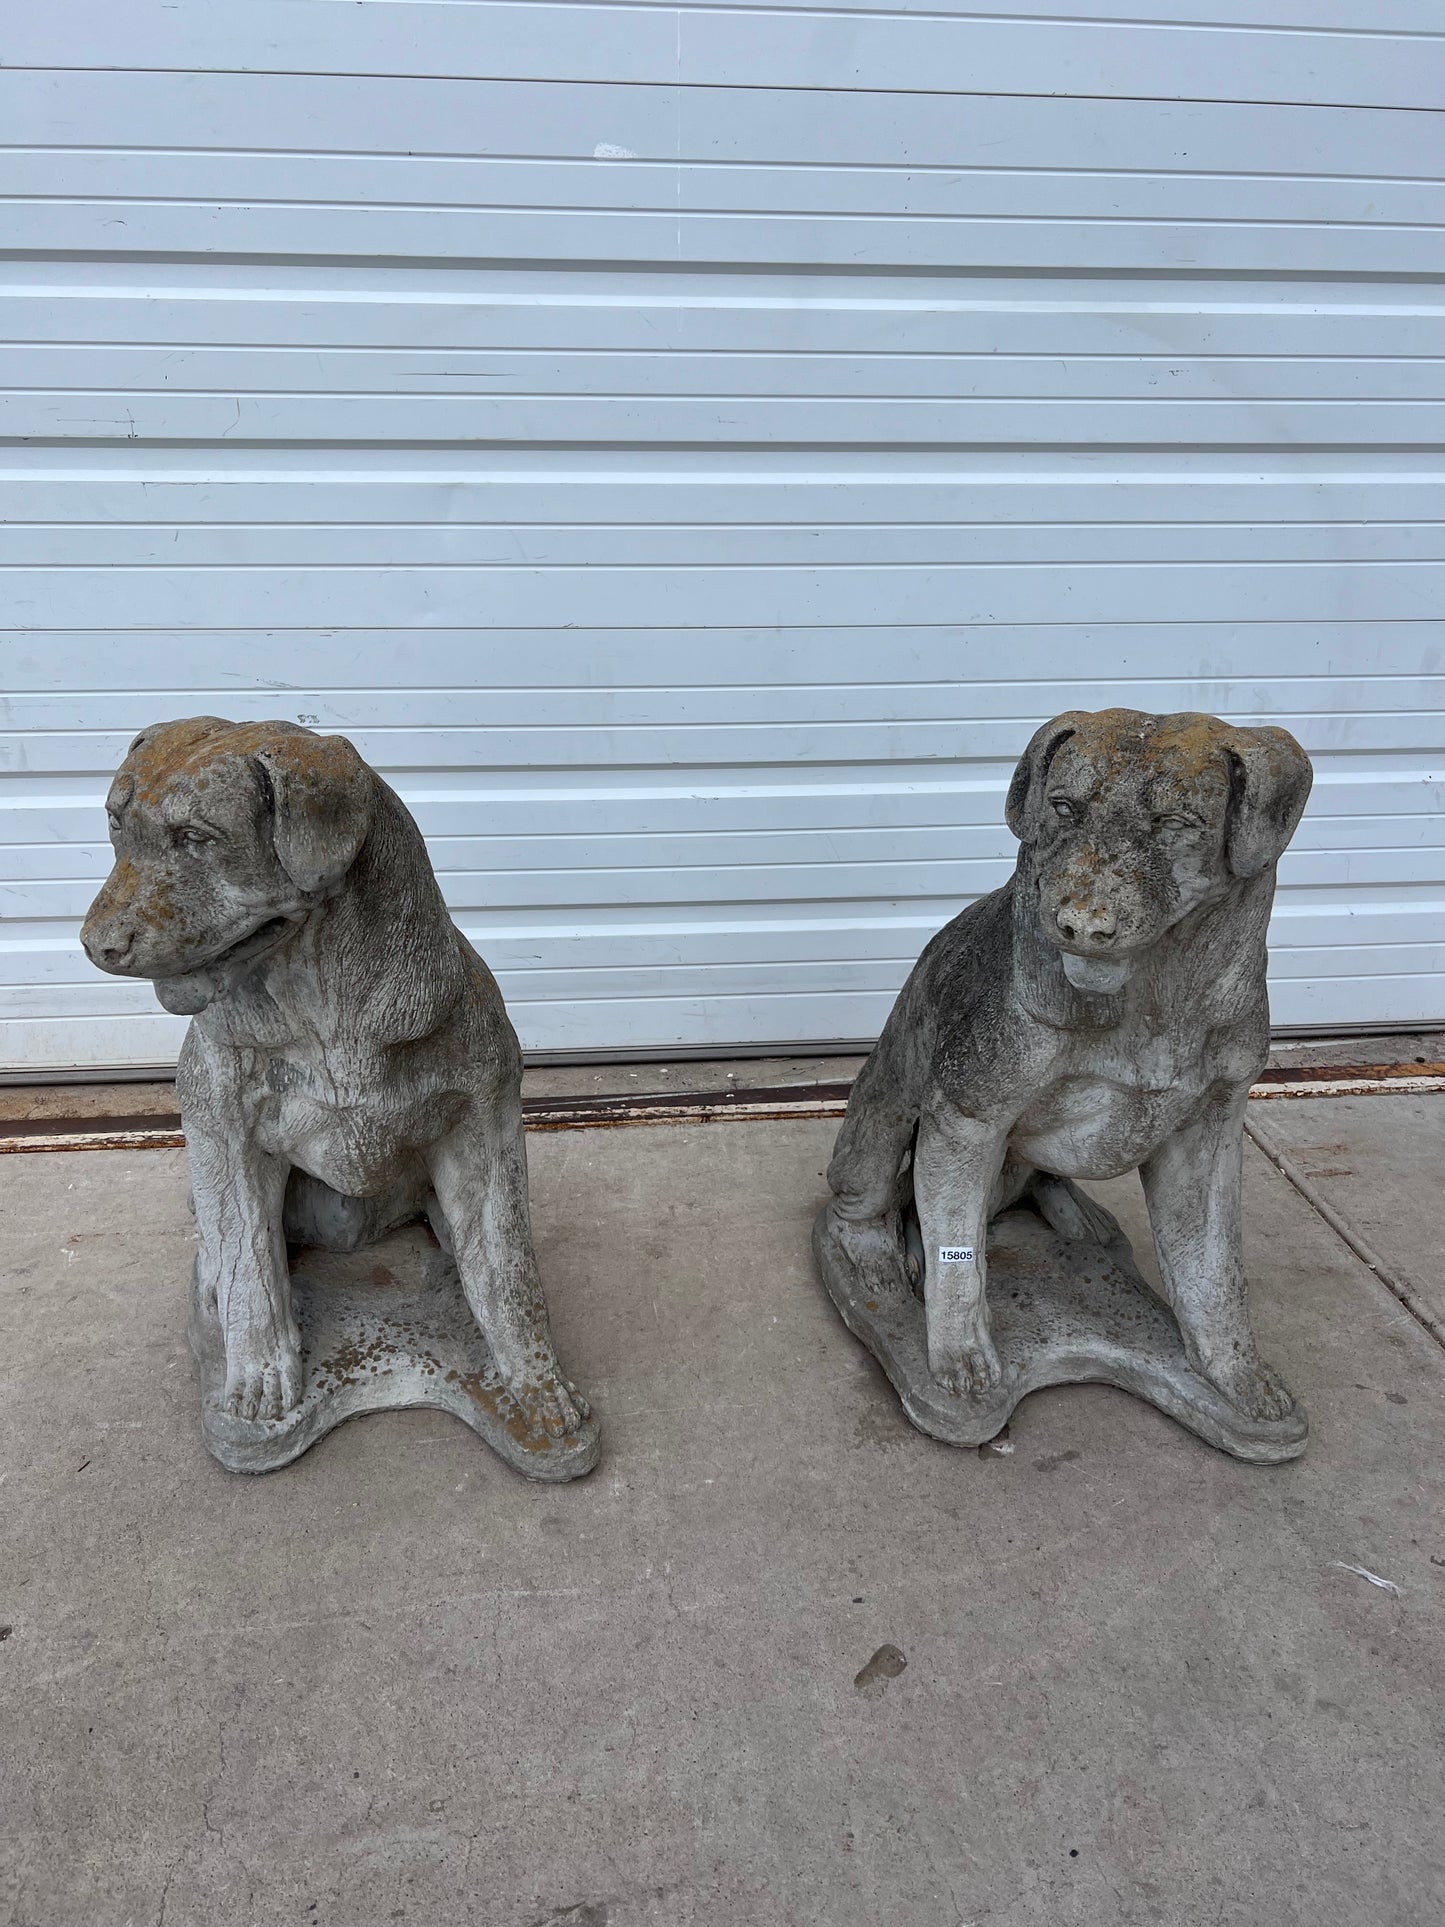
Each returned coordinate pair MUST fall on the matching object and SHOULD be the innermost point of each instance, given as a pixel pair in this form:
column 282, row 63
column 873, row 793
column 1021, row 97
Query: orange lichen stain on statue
column 319, row 763
column 118, row 889
column 1187, row 745
column 158, row 905
column 170, row 753
column 188, row 748
column 508, row 1410
column 352, row 1361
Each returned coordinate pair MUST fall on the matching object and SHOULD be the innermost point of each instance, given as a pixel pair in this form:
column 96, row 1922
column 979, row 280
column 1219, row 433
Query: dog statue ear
column 1021, row 810
column 1269, row 783
column 322, row 796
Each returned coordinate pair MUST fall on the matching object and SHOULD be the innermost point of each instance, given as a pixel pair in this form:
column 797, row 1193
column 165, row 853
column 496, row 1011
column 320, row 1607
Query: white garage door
column 689, row 449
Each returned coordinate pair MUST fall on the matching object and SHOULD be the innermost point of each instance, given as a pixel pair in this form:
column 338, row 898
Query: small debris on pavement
column 1385, row 1585
column 887, row 1663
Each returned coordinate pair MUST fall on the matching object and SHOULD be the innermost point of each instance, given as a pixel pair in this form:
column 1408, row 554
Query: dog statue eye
column 1063, row 808
column 190, row 838
column 113, row 818
column 1172, row 820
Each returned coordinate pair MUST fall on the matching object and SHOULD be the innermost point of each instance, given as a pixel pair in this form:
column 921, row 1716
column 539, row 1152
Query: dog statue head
column 226, row 837
column 1133, row 821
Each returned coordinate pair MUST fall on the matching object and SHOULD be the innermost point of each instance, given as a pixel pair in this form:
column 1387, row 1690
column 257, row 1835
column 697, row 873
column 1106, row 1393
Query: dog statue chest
column 1104, row 1116
column 355, row 1147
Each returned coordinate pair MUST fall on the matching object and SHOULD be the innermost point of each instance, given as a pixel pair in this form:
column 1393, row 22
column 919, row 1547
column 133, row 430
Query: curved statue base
column 1063, row 1312
column 381, row 1328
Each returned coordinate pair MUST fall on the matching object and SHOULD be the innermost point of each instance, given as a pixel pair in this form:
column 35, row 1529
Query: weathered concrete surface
column 349, row 1065
column 1380, row 1161
column 396, row 1683
column 1060, row 1315
column 1105, row 1011
column 1408, row 1048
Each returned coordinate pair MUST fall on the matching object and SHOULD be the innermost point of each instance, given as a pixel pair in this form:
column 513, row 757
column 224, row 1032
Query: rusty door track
column 780, row 1103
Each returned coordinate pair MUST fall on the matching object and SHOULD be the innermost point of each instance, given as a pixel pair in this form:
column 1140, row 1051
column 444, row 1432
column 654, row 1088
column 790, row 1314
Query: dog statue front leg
column 240, row 1196
column 480, row 1177
column 955, row 1168
column 865, row 1174
column 1192, row 1188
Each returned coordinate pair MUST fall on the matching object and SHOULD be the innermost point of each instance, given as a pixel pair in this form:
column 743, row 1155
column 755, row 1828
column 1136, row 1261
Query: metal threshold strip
column 763, row 1105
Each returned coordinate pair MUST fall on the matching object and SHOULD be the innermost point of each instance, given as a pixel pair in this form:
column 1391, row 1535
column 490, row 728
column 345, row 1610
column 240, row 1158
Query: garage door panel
column 67, row 521
column 1326, row 1003
column 710, row 742
column 60, row 878
column 775, row 937
column 41, row 806
column 623, row 596
column 346, row 114
column 31, row 1045
column 203, row 308
column 357, row 664
column 704, row 545
column 782, row 240
column 1386, row 16
column 690, row 474
column 692, row 878
column 195, row 374
column 57, row 999
column 679, row 515
column 84, row 731
column 431, row 195
column 702, row 46
column 1294, row 972
column 702, row 420
column 921, row 823
column 1301, row 967
column 615, row 936
column 574, row 986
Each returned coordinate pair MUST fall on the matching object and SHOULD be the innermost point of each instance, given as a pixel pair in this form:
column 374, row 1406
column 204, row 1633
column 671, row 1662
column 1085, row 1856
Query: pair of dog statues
column 350, row 1068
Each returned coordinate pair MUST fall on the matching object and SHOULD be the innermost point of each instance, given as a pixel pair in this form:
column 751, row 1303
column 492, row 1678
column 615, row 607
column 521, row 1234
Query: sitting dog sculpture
column 1105, row 1010
column 351, row 1065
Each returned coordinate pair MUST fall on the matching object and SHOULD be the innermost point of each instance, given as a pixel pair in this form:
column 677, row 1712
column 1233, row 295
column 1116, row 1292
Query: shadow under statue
column 1104, row 1011
column 349, row 1071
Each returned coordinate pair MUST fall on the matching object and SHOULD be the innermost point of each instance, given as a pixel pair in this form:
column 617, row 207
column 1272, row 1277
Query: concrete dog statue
column 1105, row 1010
column 350, row 1065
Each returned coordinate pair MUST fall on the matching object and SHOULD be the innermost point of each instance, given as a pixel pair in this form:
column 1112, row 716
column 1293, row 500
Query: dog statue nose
column 1090, row 924
column 113, row 954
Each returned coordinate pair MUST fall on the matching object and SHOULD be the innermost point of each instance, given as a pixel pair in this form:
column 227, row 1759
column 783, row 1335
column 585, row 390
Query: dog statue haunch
column 1105, row 1010
column 350, row 1066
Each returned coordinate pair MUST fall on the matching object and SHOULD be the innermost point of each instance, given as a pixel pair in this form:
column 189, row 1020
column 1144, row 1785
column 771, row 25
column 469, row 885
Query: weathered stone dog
column 1106, row 1009
column 351, row 1064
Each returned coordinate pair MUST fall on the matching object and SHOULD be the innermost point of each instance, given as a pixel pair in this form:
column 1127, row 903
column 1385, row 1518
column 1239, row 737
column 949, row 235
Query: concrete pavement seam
column 1398, row 1286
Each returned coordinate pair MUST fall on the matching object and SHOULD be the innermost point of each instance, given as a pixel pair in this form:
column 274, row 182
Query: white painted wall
column 689, row 448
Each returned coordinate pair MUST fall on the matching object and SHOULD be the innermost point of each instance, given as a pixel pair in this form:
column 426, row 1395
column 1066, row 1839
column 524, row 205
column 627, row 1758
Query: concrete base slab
column 381, row 1329
column 1063, row 1312
column 782, row 1661
column 1379, row 1162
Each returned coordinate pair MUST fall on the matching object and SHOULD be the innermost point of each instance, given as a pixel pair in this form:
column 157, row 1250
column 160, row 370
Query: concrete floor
column 1380, row 1162
column 395, row 1683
